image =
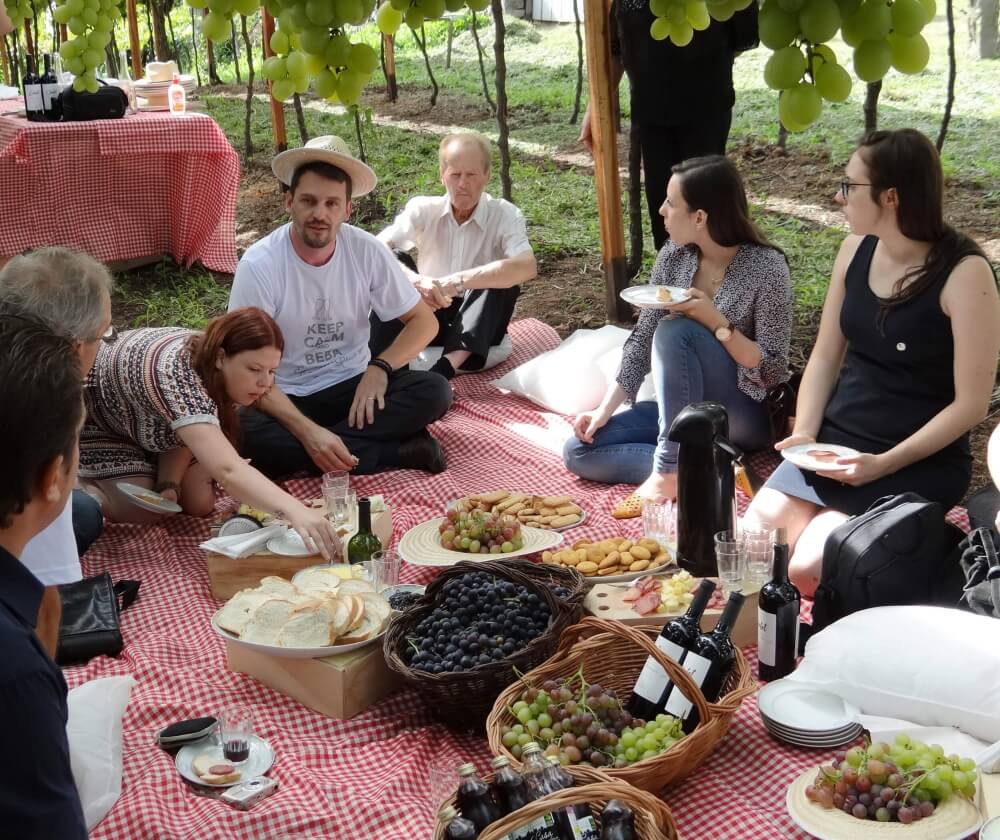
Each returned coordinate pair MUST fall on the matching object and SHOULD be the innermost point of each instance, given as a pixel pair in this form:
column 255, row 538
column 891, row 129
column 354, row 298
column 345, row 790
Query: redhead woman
column 905, row 358
column 162, row 414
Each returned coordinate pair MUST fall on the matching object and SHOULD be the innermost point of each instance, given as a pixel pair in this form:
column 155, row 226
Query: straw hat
column 330, row 149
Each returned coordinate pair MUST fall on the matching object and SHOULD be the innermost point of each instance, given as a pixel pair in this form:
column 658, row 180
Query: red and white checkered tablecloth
column 367, row 777
column 140, row 186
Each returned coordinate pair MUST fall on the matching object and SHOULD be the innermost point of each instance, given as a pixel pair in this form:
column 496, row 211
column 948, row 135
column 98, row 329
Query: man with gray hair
column 70, row 292
column 473, row 254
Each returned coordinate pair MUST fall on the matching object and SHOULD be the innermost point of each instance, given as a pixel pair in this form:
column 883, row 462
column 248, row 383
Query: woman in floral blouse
column 727, row 343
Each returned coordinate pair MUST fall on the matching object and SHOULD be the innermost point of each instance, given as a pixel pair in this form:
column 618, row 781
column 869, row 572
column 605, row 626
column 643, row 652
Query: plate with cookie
column 654, row 297
column 549, row 513
column 819, row 456
column 203, row 763
column 614, row 560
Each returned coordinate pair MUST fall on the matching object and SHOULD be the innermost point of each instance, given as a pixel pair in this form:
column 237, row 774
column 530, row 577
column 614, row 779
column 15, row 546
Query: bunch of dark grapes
column 899, row 782
column 400, row 601
column 478, row 619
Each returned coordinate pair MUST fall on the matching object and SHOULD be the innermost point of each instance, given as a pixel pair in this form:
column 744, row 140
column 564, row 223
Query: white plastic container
column 176, row 98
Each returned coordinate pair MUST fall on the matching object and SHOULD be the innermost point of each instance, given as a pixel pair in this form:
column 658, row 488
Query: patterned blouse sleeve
column 183, row 399
column 772, row 323
column 638, row 348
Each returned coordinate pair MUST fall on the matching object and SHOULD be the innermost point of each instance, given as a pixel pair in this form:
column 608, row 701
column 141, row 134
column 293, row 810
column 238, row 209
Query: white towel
column 241, row 545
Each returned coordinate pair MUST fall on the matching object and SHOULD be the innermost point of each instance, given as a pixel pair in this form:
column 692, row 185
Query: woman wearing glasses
column 158, row 398
column 905, row 358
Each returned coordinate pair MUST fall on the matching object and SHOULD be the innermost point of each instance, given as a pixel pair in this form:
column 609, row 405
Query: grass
column 167, row 294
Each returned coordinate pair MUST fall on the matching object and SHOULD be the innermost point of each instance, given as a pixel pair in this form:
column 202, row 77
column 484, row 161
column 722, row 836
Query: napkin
column 986, row 756
column 241, row 545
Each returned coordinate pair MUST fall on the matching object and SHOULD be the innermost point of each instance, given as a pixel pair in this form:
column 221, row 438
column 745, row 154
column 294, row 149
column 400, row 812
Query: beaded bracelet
column 382, row 365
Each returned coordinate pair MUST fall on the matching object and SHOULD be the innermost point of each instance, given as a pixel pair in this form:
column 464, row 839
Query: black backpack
column 900, row 551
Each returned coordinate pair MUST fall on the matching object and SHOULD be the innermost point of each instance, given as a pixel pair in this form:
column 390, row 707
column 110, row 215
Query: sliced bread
column 339, row 610
column 235, row 614
column 266, row 621
column 369, row 626
column 277, row 586
column 307, row 627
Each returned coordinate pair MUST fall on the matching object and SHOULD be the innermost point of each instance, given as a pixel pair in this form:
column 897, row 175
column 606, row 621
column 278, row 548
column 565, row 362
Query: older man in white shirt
column 472, row 256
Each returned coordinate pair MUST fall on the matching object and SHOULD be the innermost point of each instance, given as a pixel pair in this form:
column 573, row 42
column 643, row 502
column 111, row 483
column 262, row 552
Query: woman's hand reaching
column 315, row 530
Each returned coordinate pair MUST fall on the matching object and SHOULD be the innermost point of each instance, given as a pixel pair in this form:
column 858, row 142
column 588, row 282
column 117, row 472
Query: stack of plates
column 807, row 717
column 153, row 95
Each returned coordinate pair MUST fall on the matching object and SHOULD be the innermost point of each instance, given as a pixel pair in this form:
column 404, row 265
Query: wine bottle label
column 698, row 667
column 540, row 828
column 583, row 826
column 33, row 100
column 767, row 627
column 652, row 678
column 50, row 95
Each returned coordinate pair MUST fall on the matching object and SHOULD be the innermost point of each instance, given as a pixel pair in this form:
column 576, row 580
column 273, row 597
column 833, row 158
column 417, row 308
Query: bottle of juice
column 474, row 800
column 176, row 98
column 456, row 827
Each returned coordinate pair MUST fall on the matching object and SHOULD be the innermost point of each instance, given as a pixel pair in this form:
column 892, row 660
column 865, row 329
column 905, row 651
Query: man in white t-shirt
column 334, row 405
column 473, row 254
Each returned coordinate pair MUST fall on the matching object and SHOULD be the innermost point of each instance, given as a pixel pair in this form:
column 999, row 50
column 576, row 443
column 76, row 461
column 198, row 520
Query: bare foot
column 660, row 487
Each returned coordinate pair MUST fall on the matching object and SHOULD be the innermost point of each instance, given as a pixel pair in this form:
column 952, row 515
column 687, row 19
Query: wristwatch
column 725, row 332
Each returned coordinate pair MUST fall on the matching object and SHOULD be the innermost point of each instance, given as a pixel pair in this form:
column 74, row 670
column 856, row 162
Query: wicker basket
column 653, row 820
column 567, row 577
column 613, row 654
column 463, row 698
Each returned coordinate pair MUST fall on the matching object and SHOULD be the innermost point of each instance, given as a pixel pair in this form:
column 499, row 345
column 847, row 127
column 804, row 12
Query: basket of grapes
column 476, row 627
column 580, row 706
column 569, row 585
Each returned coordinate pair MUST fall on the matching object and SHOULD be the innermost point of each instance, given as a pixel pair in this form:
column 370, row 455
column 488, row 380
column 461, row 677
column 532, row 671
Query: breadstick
column 567, row 509
column 561, row 521
column 556, row 501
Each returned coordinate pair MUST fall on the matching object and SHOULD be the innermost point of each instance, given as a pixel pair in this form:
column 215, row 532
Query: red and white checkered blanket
column 140, row 186
column 368, row 776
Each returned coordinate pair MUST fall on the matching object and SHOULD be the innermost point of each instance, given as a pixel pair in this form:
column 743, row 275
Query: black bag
column 110, row 102
column 90, row 611
column 981, row 593
column 899, row 551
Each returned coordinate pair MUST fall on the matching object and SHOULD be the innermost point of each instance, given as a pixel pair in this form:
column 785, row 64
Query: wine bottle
column 475, row 802
column 578, row 819
column 618, row 822
column 508, row 787
column 538, row 784
column 653, row 685
column 456, row 827
column 364, row 543
column 50, row 92
column 34, row 103
column 778, row 618
column 709, row 662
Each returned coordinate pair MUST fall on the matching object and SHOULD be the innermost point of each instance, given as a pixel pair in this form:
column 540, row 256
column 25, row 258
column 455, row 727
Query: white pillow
column 930, row 665
column 567, row 379
column 94, row 730
column 611, row 361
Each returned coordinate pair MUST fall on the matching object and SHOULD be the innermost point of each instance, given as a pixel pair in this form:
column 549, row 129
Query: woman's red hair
column 248, row 328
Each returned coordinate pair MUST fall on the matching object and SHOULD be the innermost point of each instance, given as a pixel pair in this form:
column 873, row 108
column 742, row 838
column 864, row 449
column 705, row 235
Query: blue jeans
column 689, row 365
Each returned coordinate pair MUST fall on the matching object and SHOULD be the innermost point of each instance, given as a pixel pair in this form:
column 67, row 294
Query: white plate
column 817, row 744
column 799, row 455
column 807, row 709
column 666, row 570
column 257, row 764
column 956, row 819
column 185, row 80
column 289, row 544
column 147, row 499
column 583, row 515
column 421, row 545
column 798, row 734
column 290, row 652
column 647, row 297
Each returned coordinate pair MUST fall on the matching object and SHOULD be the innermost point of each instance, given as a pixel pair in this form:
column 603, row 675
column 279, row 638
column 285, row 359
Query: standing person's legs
column 622, row 451
column 659, row 154
column 706, row 136
column 479, row 322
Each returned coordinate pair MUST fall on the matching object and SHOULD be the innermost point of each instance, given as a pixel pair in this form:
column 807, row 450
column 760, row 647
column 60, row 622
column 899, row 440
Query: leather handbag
column 982, row 573
column 91, row 610
column 110, row 102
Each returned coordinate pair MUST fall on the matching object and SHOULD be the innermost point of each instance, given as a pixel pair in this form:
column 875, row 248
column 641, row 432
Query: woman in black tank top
column 905, row 359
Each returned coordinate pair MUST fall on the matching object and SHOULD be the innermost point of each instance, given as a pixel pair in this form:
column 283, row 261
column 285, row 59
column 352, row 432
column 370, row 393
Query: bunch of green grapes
column 90, row 22
column 679, row 19
column 883, row 34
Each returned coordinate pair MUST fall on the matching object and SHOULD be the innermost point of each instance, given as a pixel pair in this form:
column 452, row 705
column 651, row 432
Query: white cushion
column 574, row 376
column 94, row 731
column 498, row 353
column 930, row 665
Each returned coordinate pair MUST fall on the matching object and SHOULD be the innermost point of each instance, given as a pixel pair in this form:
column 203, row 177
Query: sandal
column 629, row 507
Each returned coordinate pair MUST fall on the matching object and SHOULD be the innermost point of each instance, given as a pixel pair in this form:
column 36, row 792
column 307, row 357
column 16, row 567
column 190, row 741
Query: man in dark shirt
column 41, row 411
column 682, row 97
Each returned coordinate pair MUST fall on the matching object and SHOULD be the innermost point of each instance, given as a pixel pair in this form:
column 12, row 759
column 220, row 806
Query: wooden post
column 133, row 39
column 602, row 127
column 392, row 89
column 7, row 77
column 277, row 109
column 29, row 47
column 63, row 33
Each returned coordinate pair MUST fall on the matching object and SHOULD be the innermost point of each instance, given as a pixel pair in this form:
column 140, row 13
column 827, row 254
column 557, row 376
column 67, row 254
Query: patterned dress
column 141, row 390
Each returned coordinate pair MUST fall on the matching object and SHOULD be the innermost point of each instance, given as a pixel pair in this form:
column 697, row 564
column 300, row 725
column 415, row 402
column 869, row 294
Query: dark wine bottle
column 577, row 819
column 507, row 787
column 456, row 827
column 709, row 662
column 474, row 800
column 778, row 618
column 618, row 822
column 34, row 104
column 50, row 92
column 538, row 784
column 653, row 685
column 364, row 543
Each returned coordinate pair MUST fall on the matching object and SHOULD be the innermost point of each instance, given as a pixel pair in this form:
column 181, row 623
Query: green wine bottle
column 364, row 543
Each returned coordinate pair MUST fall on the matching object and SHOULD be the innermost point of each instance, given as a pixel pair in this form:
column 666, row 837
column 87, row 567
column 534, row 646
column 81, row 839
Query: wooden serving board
column 605, row 601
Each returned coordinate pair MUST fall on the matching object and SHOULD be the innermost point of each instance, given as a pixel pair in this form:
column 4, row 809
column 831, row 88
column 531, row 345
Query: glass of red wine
column 235, row 731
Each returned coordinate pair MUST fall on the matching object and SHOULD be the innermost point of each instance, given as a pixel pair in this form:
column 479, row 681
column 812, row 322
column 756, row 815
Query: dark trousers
column 475, row 322
column 88, row 520
column 983, row 507
column 413, row 400
column 663, row 146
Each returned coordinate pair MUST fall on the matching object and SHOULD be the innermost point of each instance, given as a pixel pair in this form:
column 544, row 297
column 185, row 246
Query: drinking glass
column 383, row 569
column 235, row 732
column 758, row 546
column 659, row 522
column 336, row 481
column 442, row 780
column 731, row 559
column 341, row 509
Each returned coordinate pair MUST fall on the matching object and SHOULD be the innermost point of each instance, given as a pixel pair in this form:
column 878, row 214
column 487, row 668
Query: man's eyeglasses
column 845, row 188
